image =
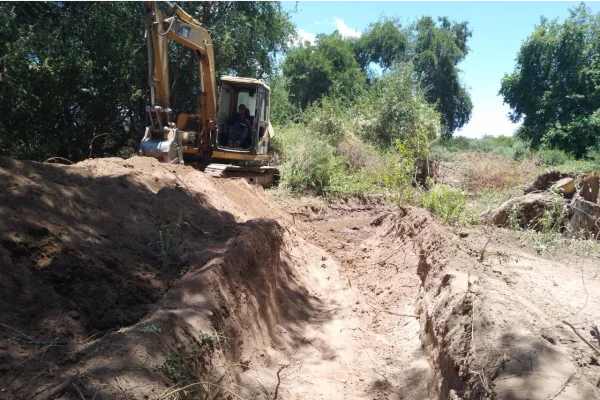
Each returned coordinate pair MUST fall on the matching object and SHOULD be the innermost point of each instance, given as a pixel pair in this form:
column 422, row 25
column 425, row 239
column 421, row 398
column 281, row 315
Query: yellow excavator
column 227, row 139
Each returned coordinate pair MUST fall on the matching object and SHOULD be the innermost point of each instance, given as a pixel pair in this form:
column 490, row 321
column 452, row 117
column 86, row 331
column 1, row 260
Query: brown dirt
column 271, row 297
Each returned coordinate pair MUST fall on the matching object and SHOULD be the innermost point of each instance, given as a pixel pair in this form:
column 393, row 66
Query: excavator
column 218, row 139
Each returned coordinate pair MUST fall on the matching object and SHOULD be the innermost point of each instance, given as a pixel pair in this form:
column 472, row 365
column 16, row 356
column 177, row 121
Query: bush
column 448, row 203
column 443, row 152
column 327, row 119
column 308, row 165
column 395, row 109
column 553, row 157
column 359, row 155
column 520, row 150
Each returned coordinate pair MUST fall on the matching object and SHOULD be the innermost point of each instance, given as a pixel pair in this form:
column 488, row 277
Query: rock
column 585, row 218
column 545, row 181
column 528, row 209
column 565, row 186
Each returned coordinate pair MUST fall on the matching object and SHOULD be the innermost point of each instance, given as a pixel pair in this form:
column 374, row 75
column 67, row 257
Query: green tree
column 384, row 43
column 395, row 109
column 327, row 68
column 282, row 110
column 437, row 51
column 555, row 87
column 70, row 71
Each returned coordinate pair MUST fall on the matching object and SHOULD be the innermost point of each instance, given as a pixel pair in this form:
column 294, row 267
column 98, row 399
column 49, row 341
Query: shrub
column 553, row 157
column 395, row 109
column 520, row 150
column 327, row 119
column 448, row 203
column 359, row 155
column 443, row 152
column 166, row 241
column 308, row 165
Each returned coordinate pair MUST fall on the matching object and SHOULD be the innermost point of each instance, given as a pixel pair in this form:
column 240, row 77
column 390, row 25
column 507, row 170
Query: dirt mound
column 544, row 182
column 90, row 249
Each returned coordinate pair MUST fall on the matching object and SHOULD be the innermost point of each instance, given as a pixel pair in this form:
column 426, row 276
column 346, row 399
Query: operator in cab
column 240, row 128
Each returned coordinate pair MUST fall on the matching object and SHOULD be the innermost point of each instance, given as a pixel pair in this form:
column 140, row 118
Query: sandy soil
column 261, row 297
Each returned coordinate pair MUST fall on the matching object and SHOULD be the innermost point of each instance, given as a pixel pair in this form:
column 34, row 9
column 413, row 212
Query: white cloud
column 344, row 30
column 305, row 36
column 322, row 21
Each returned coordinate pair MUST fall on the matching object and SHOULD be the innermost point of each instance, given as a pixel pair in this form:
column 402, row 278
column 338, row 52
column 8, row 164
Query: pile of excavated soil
column 130, row 279
column 91, row 284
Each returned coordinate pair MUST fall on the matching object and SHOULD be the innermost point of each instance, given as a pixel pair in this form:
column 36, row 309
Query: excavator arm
column 187, row 31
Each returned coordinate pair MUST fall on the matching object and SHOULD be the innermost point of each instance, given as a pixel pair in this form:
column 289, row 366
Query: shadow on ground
column 83, row 256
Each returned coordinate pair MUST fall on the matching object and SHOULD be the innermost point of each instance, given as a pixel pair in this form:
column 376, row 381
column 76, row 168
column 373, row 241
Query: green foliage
column 553, row 157
column 394, row 121
column 150, row 328
column 337, row 67
column 174, row 368
column 327, row 68
column 438, row 49
column 395, row 109
column 554, row 88
column 206, row 339
column 282, row 110
column 70, row 71
column 166, row 240
column 328, row 119
column 507, row 146
column 384, row 43
column 308, row 165
column 247, row 35
column 448, row 203
column 62, row 83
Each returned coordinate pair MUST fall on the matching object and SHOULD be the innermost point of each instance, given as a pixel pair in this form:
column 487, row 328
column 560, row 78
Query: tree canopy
column 70, row 71
column 339, row 66
column 327, row 68
column 555, row 87
column 438, row 49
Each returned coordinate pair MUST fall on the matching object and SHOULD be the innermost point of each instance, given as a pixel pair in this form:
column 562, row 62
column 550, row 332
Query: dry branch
column 582, row 338
column 58, row 158
column 279, row 380
column 393, row 313
column 121, row 387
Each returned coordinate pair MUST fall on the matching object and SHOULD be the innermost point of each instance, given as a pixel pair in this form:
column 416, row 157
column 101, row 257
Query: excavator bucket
column 167, row 149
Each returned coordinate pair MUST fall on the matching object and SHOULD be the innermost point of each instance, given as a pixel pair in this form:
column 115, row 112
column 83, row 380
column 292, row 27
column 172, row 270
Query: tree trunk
column 585, row 220
column 589, row 187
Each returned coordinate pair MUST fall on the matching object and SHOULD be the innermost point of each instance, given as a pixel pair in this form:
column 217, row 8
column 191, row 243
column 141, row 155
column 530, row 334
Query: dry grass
column 478, row 171
column 359, row 155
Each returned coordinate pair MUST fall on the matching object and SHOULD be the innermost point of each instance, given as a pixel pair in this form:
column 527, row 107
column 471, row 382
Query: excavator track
column 265, row 176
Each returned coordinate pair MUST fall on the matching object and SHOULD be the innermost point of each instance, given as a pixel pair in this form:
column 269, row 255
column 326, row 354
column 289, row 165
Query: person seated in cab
column 240, row 128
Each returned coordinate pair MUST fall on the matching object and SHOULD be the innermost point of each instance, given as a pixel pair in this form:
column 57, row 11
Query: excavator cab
column 242, row 138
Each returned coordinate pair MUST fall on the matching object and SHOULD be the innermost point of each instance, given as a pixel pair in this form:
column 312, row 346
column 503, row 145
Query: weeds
column 552, row 157
column 174, row 369
column 449, row 204
column 177, row 369
column 166, row 241
column 480, row 171
column 150, row 328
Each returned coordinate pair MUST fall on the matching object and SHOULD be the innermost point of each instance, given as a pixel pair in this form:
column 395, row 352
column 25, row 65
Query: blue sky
column 498, row 30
